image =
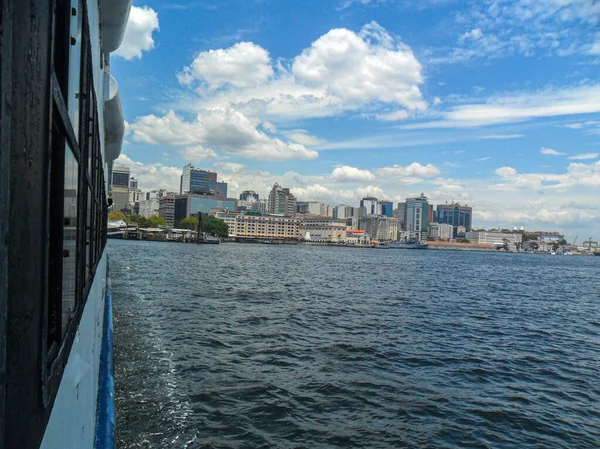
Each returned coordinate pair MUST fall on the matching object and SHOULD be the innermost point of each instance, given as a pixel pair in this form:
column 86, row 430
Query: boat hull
column 407, row 246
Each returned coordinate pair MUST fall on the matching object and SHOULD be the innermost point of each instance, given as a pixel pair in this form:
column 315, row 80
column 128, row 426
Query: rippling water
column 270, row 346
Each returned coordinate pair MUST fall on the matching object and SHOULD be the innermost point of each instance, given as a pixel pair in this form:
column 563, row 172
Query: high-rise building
column 196, row 180
column 416, row 216
column 387, row 208
column 371, row 205
column 399, row 214
column 120, row 187
column 191, row 204
column 281, row 201
column 249, row 195
column 455, row 215
column 167, row 209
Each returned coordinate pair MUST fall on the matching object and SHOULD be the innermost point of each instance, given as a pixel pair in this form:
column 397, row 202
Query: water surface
column 220, row 346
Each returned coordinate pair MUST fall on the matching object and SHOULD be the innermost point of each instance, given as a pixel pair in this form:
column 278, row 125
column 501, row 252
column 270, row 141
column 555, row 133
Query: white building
column 320, row 228
column 281, row 201
column 441, row 231
column 259, row 226
column 494, row 238
column 357, row 237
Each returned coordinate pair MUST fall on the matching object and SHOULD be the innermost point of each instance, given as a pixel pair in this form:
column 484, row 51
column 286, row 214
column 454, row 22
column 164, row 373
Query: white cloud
column 341, row 71
column 585, row 156
column 143, row 21
column 367, row 66
column 197, row 153
column 393, row 116
column 504, row 136
column 413, row 170
column 352, row 174
column 506, row 172
column 482, row 159
column 221, row 128
column 474, row 34
column 520, row 106
column 243, row 65
column 229, row 167
column 500, row 28
column 551, row 152
column 152, row 176
column 302, row 136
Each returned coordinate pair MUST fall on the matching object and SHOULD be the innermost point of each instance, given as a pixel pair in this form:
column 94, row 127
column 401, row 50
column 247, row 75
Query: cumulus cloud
column 152, row 176
column 551, row 152
column 341, row 71
column 221, row 128
column 577, row 175
column 413, row 170
column 351, row 174
column 197, row 153
column 367, row 66
column 143, row 21
column 242, row 65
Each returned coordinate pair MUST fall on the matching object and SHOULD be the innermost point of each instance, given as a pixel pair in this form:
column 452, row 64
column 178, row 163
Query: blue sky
column 493, row 103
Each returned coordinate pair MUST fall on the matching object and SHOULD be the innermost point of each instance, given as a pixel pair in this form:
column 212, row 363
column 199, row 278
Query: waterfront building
column 281, row 202
column 191, row 204
column 379, row 227
column 321, row 228
column 441, row 231
column 257, row 225
column 416, row 216
column 494, row 237
column 455, row 215
column 166, row 209
column 120, row 187
column 357, row 237
column 386, row 208
column 249, row 195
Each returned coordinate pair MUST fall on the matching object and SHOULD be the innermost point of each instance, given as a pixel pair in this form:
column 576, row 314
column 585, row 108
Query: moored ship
column 61, row 128
column 407, row 244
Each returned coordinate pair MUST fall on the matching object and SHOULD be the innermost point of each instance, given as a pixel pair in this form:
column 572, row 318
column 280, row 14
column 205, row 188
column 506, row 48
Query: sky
column 492, row 103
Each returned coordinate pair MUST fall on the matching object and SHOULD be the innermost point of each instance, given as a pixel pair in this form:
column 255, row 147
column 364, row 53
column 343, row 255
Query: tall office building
column 387, row 208
column 399, row 214
column 120, row 187
column 196, row 180
column 281, row 201
column 371, row 205
column 249, row 195
column 416, row 216
column 455, row 215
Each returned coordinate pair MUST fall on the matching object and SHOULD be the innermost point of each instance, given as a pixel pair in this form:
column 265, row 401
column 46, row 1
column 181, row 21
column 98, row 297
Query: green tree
column 116, row 215
column 157, row 221
column 215, row 226
column 189, row 223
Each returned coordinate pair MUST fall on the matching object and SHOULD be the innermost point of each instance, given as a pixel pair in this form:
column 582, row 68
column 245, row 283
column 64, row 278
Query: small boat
column 407, row 244
column 568, row 253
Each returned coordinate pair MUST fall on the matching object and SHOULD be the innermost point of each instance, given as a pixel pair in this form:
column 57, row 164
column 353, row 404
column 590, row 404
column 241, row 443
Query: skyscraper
column 120, row 187
column 371, row 205
column 387, row 208
column 455, row 215
column 196, row 180
column 416, row 216
column 249, row 195
column 281, row 201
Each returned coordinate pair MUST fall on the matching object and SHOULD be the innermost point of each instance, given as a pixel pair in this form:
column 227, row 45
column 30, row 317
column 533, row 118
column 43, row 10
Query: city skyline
column 495, row 105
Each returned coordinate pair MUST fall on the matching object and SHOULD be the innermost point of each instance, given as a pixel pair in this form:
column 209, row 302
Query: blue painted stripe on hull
column 105, row 421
